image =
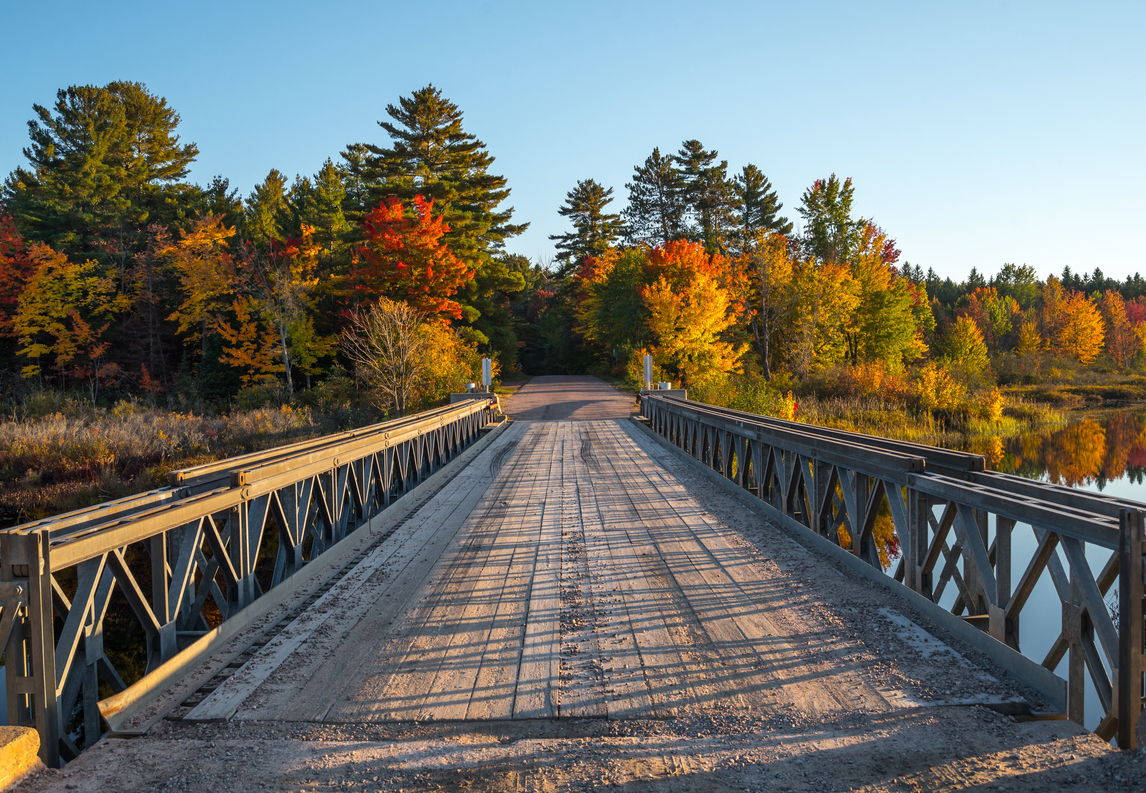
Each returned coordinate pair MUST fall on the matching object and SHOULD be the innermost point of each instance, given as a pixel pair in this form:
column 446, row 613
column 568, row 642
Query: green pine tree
column 432, row 155
column 655, row 214
column 830, row 232
column 757, row 204
column 594, row 229
column 105, row 162
column 267, row 211
column 707, row 194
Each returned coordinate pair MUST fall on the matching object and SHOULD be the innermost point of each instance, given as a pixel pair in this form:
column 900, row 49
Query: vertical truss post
column 1076, row 661
column 41, row 648
column 915, row 550
column 1128, row 704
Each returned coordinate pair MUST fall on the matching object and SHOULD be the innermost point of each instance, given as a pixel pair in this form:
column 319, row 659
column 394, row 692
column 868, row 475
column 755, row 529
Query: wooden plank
column 650, row 611
column 455, row 684
column 738, row 600
column 582, row 692
column 493, row 688
column 536, row 692
column 368, row 655
column 346, row 599
column 624, row 685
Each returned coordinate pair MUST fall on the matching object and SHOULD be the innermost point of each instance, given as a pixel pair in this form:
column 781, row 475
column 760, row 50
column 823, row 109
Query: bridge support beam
column 1128, row 677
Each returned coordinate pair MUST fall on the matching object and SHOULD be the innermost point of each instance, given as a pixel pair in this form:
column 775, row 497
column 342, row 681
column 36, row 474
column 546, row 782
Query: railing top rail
column 935, row 455
column 1092, row 517
column 92, row 531
column 804, row 439
column 220, row 470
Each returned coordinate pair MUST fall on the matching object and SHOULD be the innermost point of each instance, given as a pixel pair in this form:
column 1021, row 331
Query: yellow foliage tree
column 824, row 297
column 206, row 272
column 56, row 315
column 1081, row 329
column 965, row 347
column 686, row 322
column 762, row 277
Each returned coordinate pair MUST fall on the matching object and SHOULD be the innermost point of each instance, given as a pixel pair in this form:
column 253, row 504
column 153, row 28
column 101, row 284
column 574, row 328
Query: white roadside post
column 649, row 372
column 487, row 374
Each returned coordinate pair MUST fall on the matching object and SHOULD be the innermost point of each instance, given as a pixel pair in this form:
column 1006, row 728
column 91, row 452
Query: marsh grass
column 68, row 460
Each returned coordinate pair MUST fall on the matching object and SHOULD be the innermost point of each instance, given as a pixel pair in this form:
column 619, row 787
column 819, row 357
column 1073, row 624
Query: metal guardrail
column 186, row 557
column 955, row 523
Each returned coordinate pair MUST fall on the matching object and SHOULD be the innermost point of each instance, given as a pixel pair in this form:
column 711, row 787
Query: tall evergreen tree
column 655, row 214
column 102, row 159
column 594, row 229
column 219, row 198
column 831, row 234
column 757, row 204
column 707, row 194
column 432, row 155
column 267, row 210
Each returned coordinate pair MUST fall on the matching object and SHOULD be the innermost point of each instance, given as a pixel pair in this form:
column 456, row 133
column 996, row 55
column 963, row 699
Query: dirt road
column 568, row 398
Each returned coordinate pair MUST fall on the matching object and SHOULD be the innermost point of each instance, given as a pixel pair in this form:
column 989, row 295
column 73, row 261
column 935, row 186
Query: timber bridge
column 574, row 563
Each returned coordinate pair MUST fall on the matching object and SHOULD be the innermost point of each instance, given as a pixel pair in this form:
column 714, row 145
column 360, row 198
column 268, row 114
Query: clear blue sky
column 976, row 133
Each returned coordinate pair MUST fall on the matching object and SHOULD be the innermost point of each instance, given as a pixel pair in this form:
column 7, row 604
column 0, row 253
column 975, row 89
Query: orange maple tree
column 404, row 259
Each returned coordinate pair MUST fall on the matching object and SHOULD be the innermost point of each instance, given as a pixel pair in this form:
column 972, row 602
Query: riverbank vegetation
column 141, row 304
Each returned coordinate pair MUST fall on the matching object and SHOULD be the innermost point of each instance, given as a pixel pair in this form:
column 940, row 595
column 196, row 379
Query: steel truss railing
column 185, row 557
column 955, row 523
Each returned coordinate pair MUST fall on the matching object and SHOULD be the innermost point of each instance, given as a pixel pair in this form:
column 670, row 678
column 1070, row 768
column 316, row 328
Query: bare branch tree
column 389, row 347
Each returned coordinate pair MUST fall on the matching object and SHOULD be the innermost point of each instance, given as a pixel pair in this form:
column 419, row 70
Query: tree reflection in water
column 1088, row 452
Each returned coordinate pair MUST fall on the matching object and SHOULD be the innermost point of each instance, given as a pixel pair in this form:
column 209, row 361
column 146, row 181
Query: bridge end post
column 1130, row 627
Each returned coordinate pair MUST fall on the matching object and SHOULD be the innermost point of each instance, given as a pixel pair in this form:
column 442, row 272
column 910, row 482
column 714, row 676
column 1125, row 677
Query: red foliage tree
column 16, row 269
column 404, row 259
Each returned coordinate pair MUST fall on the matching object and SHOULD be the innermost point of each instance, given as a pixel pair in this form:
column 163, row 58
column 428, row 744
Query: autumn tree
column 824, row 297
column 994, row 313
column 431, row 155
column 594, row 229
column 404, row 258
column 689, row 311
column 610, row 312
column 763, row 280
column 202, row 262
column 16, row 268
column 1080, row 330
column 656, row 210
column 279, row 284
column 964, row 347
column 884, row 326
column 62, row 317
column 1122, row 343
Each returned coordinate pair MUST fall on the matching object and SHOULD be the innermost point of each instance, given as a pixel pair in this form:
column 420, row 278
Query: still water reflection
column 1106, row 454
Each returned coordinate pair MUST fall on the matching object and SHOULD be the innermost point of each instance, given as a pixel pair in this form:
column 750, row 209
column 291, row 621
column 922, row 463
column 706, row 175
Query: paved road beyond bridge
column 580, row 607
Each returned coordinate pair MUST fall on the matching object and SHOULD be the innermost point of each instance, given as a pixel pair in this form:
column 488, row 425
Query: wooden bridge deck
column 576, row 607
column 564, row 574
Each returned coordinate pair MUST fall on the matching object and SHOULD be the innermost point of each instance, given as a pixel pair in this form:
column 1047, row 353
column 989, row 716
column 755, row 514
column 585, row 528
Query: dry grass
column 61, row 462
